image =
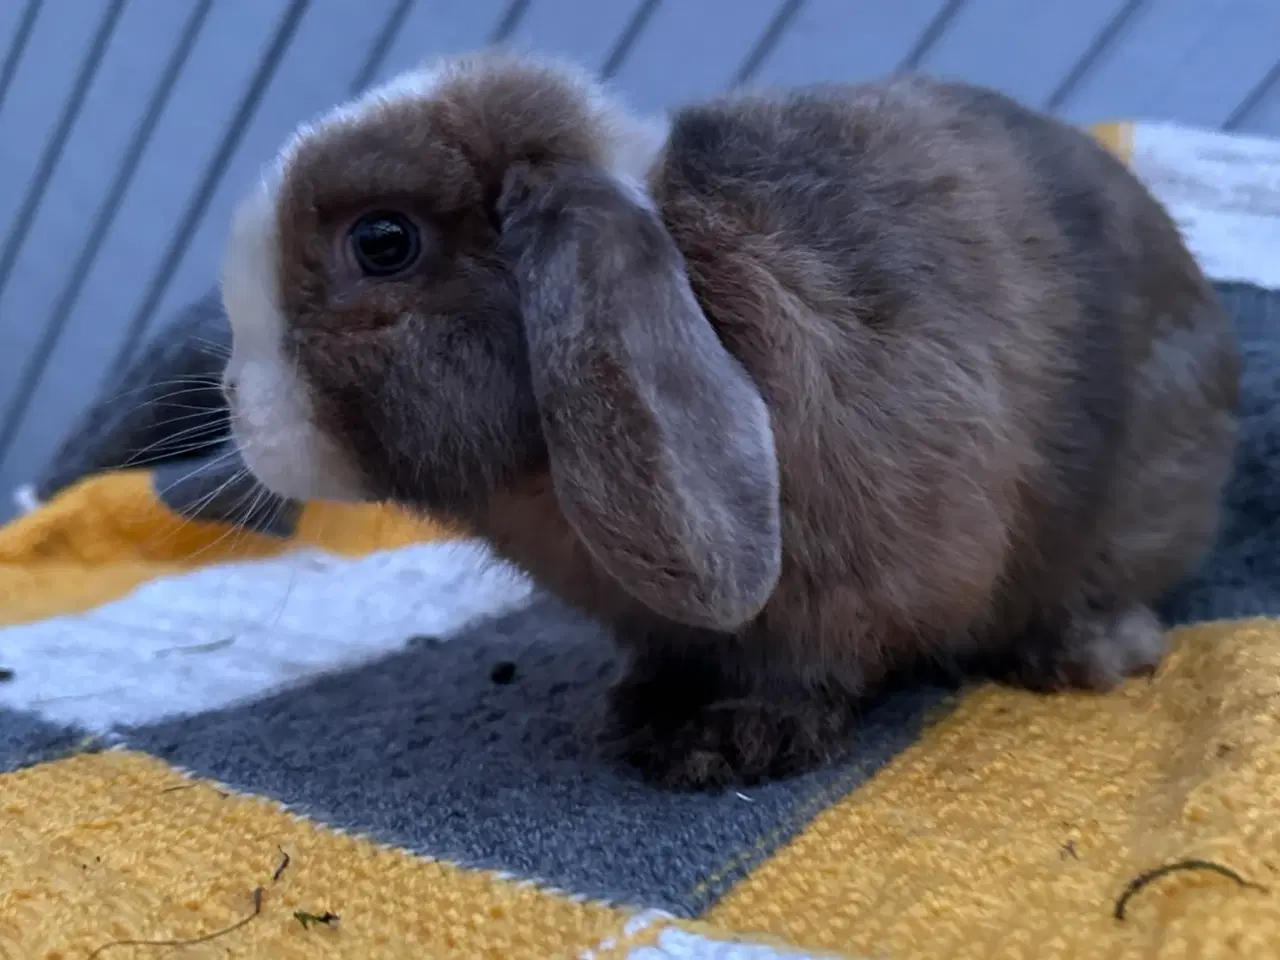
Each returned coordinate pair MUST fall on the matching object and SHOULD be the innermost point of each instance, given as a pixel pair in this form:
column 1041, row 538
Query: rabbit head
column 383, row 348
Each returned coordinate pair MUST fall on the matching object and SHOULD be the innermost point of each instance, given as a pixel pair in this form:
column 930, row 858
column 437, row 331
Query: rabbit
column 793, row 390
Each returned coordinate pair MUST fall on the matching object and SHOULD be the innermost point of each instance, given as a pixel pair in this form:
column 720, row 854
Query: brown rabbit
column 803, row 389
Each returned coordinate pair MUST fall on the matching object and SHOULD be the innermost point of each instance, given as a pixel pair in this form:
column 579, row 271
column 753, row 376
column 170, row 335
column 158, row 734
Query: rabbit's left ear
column 661, row 451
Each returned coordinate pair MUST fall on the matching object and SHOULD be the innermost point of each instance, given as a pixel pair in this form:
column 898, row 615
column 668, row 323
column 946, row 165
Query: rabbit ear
column 661, row 451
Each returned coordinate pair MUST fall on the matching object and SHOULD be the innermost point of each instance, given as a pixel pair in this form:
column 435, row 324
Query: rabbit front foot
column 1095, row 651
column 723, row 743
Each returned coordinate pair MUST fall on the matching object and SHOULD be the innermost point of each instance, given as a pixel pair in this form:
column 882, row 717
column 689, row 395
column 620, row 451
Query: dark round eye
column 384, row 243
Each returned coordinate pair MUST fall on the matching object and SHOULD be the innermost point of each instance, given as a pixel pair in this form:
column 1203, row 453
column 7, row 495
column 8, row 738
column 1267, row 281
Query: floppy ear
column 661, row 450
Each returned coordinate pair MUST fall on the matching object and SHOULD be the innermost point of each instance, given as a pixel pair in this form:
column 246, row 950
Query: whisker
column 216, row 461
column 184, row 434
column 279, row 508
column 235, row 531
column 195, row 412
column 175, row 453
column 215, row 348
column 189, row 514
column 196, row 409
column 189, row 384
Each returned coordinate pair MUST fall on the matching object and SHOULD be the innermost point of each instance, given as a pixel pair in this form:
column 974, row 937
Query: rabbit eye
column 384, row 243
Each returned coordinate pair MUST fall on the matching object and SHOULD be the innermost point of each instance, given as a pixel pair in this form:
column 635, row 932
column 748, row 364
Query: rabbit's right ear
column 661, row 449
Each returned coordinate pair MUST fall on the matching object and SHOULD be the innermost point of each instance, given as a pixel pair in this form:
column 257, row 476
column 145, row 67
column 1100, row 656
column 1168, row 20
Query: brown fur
column 1000, row 395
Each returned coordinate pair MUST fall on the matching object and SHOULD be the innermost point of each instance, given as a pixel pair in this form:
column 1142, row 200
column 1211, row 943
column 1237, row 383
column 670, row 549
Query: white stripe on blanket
column 1224, row 192
column 223, row 634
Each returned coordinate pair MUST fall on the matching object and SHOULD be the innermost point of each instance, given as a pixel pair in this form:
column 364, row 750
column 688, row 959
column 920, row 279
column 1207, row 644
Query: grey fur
column 650, row 423
column 1000, row 391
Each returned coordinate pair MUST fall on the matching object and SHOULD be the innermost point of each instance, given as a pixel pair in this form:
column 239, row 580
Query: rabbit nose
column 230, row 389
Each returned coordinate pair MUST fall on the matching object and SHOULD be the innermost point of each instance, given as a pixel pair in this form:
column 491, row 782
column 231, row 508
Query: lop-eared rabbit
column 794, row 391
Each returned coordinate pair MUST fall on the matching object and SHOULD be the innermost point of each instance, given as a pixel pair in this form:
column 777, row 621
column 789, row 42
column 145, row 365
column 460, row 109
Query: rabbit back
column 999, row 383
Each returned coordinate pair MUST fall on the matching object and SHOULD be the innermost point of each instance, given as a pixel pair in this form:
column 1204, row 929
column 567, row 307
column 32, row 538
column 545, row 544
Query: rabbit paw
column 1095, row 651
column 729, row 742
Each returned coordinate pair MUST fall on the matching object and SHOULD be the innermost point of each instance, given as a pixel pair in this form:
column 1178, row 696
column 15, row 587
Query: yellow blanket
column 1012, row 828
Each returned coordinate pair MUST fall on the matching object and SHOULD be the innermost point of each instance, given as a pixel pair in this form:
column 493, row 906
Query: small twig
column 191, row 786
column 285, row 860
column 193, row 941
column 210, row 647
column 1143, row 880
column 326, row 919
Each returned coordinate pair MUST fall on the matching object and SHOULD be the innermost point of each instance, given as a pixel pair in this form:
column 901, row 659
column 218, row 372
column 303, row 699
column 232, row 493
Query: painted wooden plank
column 17, row 20
column 54, row 151
column 438, row 27
column 691, row 49
column 42, row 84
column 584, row 31
column 1023, row 47
column 1184, row 60
column 13, row 13
column 832, row 41
column 132, row 65
column 1239, row 50
column 1262, row 114
column 201, row 104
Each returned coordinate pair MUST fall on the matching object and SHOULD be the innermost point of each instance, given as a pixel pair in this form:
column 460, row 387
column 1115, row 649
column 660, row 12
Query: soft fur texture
column 851, row 379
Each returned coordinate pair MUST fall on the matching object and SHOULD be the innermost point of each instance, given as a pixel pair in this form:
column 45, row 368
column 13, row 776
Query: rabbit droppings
column 796, row 391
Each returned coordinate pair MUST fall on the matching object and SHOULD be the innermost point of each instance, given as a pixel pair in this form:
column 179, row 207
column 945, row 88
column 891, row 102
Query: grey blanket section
column 427, row 750
column 26, row 740
column 1241, row 576
column 480, row 750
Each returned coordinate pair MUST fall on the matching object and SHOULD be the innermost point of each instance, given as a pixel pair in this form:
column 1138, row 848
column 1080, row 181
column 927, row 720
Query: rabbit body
column 813, row 387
